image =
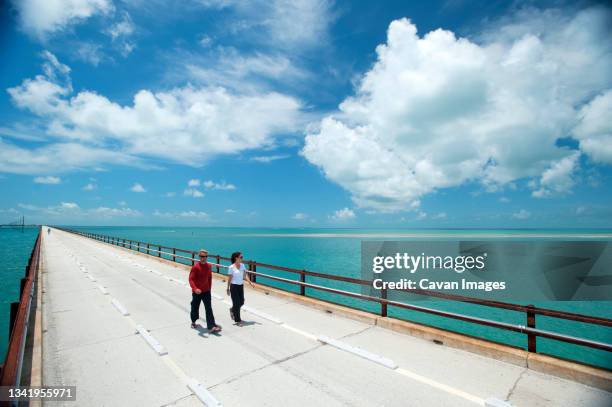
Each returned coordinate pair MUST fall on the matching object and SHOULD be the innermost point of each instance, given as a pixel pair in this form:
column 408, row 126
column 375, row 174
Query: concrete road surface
column 275, row 360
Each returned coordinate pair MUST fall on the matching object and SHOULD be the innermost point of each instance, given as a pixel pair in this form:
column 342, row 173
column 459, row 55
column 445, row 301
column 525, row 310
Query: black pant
column 195, row 308
column 237, row 293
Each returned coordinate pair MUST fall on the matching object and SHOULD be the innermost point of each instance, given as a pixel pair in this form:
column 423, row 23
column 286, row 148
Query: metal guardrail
column 530, row 311
column 19, row 321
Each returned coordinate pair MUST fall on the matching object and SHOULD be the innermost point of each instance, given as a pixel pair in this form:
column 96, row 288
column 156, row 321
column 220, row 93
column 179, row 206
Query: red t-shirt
column 200, row 277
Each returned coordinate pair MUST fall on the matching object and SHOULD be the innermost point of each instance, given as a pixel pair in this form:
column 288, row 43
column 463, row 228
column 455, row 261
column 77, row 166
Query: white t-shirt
column 237, row 275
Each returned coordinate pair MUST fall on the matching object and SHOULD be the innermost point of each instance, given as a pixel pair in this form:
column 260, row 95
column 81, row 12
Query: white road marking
column 441, row 386
column 203, row 394
column 262, row 314
column 157, row 347
column 381, row 360
column 120, row 307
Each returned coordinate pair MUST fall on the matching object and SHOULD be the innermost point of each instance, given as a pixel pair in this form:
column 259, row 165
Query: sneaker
column 232, row 314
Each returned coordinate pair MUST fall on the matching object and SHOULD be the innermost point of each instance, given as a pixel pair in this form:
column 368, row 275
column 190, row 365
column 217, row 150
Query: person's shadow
column 205, row 332
column 246, row 323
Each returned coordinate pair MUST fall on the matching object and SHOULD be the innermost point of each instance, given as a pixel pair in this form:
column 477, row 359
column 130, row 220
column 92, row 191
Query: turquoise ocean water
column 15, row 249
column 337, row 251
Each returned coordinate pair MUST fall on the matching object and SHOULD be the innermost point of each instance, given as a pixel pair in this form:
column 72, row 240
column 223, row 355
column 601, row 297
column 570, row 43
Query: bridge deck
column 87, row 342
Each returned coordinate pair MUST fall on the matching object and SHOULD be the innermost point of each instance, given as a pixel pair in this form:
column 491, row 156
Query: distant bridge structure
column 19, row 223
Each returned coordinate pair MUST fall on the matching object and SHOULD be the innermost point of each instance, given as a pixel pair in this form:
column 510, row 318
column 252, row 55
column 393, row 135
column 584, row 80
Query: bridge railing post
column 302, row 280
column 383, row 305
column 218, row 261
column 148, row 252
column 254, row 276
column 174, row 254
column 159, row 251
column 531, row 323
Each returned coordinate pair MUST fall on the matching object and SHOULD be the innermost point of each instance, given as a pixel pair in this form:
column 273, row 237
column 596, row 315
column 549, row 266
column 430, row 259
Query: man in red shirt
column 200, row 280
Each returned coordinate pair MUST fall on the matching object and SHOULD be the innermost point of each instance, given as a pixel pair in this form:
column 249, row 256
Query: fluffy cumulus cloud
column 438, row 111
column 594, row 131
column 558, row 178
column 41, row 18
column 188, row 125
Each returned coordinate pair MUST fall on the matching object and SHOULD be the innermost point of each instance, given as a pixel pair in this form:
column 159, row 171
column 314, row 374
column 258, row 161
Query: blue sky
column 312, row 113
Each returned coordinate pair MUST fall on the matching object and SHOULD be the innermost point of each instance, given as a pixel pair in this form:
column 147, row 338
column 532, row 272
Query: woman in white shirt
column 235, row 285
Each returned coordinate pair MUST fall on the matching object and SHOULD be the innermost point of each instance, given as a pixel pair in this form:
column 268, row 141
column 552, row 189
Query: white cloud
column 343, row 214
column 60, row 157
column 557, row 179
column 228, row 67
column 594, row 131
column 503, row 199
column 28, row 207
column 40, row 18
column 47, row 180
column 89, row 52
column 194, row 215
column 72, row 211
column 198, row 215
column 437, row 111
column 300, row 216
column 205, row 41
column 522, row 214
column 223, row 186
column 170, row 194
column 137, row 188
column 440, row 215
column 69, row 205
column 188, row 125
column 193, row 182
column 105, row 212
column 269, row 158
column 122, row 203
column 90, row 187
column 120, row 33
column 193, row 192
column 123, row 28
column 230, row 211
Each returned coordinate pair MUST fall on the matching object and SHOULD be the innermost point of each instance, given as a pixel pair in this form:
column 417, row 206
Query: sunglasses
column 203, row 255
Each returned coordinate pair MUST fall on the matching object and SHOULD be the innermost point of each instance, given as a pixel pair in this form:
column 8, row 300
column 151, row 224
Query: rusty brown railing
column 19, row 321
column 188, row 256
